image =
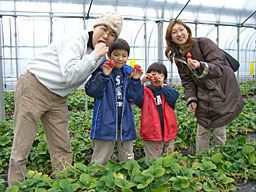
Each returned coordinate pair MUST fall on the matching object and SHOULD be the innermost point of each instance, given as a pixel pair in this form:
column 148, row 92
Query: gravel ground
column 250, row 186
column 252, row 137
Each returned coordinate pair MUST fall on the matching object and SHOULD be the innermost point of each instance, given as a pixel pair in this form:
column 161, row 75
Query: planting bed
column 221, row 169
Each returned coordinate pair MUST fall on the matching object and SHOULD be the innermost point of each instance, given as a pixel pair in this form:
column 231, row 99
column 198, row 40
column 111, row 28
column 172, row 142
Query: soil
column 4, row 177
column 251, row 137
column 250, row 186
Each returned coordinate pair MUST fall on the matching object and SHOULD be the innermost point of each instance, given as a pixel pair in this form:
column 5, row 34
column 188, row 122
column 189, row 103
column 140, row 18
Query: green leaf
column 208, row 165
column 133, row 168
column 175, row 183
column 127, row 190
column 131, row 165
column 176, row 168
column 241, row 140
column 180, row 182
column 187, row 172
column 138, row 178
column 166, row 161
column 227, row 180
column 156, row 171
column 108, row 180
column 85, row 178
column 196, row 165
column 227, row 166
column 141, row 186
column 66, row 186
column 135, row 172
column 4, row 140
column 123, row 184
column 12, row 189
column 40, row 190
column 81, row 166
column 160, row 189
column 30, row 173
column 247, row 149
column 210, row 187
column 217, row 158
column 147, row 181
column 184, row 182
column 252, row 158
column 196, row 186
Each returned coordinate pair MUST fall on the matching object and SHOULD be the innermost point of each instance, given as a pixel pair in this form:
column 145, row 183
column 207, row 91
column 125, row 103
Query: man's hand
column 101, row 49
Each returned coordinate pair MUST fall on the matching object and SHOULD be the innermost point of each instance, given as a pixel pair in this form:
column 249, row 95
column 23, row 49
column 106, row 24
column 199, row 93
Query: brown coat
column 213, row 86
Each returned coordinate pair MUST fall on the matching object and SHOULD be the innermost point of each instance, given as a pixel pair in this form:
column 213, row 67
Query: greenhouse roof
column 223, row 12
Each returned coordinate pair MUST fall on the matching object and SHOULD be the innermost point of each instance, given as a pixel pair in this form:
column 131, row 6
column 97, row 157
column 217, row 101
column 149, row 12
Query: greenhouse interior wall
column 26, row 27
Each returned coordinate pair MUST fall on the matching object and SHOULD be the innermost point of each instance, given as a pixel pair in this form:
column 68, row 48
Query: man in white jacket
column 41, row 93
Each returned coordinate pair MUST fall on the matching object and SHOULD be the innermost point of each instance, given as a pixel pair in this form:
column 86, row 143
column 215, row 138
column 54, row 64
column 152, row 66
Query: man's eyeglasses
column 106, row 30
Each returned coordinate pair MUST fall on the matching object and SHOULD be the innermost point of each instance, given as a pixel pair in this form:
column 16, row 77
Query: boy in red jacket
column 158, row 121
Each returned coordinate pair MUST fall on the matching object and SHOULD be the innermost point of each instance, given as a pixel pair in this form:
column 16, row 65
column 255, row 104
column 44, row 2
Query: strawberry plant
column 77, row 101
column 248, row 89
column 217, row 169
column 9, row 104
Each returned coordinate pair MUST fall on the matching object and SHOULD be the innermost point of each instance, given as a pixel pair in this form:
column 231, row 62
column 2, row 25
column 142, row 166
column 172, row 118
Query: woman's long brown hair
column 173, row 48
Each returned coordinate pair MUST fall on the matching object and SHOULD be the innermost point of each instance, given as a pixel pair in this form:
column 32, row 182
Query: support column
column 2, row 110
column 160, row 40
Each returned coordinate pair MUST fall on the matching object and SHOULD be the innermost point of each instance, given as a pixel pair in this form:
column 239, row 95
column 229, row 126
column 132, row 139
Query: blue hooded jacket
column 104, row 123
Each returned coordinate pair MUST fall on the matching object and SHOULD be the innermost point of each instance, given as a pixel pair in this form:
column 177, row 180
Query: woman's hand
column 193, row 64
column 192, row 106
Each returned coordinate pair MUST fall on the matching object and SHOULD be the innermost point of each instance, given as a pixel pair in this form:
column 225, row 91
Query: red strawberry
column 189, row 55
column 111, row 63
column 137, row 67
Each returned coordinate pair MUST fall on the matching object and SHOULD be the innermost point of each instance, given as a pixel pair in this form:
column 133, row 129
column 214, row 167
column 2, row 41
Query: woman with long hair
column 210, row 85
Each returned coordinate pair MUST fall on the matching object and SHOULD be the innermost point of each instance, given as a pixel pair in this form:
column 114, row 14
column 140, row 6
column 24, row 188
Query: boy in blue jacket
column 114, row 90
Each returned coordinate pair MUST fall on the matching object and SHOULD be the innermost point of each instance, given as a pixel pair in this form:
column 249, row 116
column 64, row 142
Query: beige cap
column 112, row 20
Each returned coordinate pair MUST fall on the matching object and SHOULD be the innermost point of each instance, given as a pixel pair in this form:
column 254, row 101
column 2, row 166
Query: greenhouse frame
column 28, row 26
column 161, row 109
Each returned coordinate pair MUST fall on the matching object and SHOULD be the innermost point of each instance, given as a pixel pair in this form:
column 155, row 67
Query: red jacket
column 150, row 121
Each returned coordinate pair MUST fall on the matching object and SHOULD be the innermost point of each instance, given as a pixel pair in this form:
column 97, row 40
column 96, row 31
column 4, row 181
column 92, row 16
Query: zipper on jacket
column 97, row 114
column 207, row 113
column 163, row 111
column 124, row 99
column 117, row 118
column 113, row 81
column 122, row 115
